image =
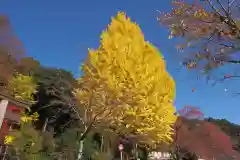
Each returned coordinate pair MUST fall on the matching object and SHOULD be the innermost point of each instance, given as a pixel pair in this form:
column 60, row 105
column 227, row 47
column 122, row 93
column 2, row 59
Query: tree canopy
column 134, row 95
column 206, row 140
column 55, row 100
column 22, row 87
column 210, row 30
column 11, row 50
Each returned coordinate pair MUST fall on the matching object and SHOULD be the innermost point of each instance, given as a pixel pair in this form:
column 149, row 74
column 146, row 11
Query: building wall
column 3, row 108
column 9, row 113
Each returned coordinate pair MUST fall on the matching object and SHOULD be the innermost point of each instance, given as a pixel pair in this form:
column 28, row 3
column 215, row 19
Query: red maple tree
column 11, row 50
column 187, row 112
column 194, row 135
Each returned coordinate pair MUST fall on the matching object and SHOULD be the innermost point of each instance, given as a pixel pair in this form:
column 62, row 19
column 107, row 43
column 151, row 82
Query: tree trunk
column 82, row 138
column 80, row 150
column 102, row 143
column 177, row 153
column 45, row 125
column 136, row 151
column 81, row 141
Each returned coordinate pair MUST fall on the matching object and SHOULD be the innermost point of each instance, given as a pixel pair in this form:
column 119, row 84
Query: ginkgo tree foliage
column 125, row 85
column 22, row 87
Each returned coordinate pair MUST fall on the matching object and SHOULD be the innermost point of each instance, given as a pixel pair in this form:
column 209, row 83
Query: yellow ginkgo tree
column 22, row 87
column 125, row 85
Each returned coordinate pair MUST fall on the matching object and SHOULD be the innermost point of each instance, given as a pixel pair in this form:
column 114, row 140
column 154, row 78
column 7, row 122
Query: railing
column 159, row 156
column 4, row 152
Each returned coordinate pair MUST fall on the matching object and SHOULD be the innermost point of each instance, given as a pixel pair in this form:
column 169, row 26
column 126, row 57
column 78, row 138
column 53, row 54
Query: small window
column 238, row 134
column 14, row 126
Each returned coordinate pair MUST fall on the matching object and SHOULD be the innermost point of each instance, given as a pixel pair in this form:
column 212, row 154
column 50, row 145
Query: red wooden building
column 10, row 112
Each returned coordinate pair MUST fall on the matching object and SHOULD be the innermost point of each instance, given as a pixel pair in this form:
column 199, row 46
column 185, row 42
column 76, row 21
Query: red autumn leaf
column 193, row 89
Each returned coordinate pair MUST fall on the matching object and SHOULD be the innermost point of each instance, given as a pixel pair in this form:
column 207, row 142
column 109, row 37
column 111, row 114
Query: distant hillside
column 231, row 129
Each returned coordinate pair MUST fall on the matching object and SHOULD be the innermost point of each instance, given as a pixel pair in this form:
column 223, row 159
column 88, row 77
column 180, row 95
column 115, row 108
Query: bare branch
column 223, row 8
column 89, row 127
column 55, row 116
column 77, row 114
column 226, row 19
column 222, row 44
column 66, row 124
column 213, row 7
column 229, row 5
column 224, row 78
column 71, row 107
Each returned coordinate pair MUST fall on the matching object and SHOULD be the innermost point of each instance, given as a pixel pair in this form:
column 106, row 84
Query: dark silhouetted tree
column 56, row 104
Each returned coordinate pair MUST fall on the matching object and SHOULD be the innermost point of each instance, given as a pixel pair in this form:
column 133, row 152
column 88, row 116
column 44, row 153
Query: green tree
column 55, row 101
column 66, row 145
column 27, row 142
column 127, row 94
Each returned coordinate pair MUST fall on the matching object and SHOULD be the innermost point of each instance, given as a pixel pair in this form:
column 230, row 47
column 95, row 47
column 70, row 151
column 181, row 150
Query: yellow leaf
column 8, row 139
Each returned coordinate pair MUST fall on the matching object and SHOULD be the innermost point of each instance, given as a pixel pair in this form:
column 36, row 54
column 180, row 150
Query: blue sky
column 58, row 33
